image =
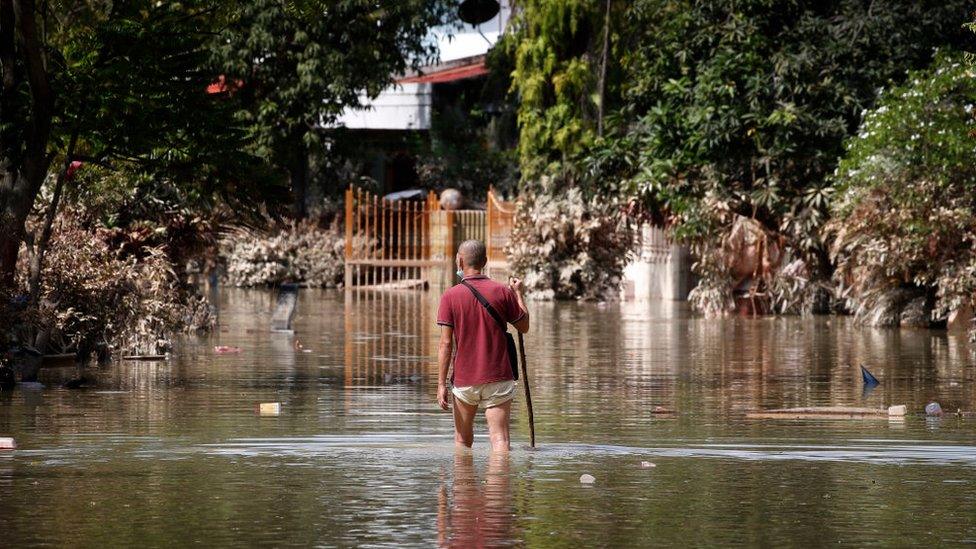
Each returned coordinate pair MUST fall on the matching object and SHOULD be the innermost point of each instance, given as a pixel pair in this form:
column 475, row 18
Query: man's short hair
column 474, row 254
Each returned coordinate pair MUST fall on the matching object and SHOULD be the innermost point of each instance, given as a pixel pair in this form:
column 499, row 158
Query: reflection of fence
column 411, row 243
column 388, row 338
column 500, row 217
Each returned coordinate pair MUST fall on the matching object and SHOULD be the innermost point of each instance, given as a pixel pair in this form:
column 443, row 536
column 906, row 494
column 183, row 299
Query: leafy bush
column 92, row 293
column 567, row 246
column 747, row 104
column 296, row 252
column 905, row 196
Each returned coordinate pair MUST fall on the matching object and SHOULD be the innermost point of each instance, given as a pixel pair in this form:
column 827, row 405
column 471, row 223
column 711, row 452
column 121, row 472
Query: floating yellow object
column 269, row 408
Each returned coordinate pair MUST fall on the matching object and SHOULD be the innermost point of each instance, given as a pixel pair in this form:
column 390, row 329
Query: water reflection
column 360, row 455
column 473, row 513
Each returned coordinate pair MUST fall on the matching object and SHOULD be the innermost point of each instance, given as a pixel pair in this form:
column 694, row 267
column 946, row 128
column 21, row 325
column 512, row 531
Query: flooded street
column 174, row 453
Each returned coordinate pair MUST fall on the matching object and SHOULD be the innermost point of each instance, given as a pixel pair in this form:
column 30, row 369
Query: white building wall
column 408, row 106
column 403, row 107
column 662, row 270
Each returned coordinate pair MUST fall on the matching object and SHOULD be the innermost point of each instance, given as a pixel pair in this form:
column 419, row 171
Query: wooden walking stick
column 528, row 394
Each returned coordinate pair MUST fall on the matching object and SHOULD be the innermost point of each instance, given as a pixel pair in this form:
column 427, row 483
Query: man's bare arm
column 444, row 351
column 522, row 325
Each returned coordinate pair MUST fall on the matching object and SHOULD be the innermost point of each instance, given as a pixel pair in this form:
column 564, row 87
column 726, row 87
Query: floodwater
column 174, row 453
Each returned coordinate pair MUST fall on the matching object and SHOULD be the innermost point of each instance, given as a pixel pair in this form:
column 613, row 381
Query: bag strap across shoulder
column 484, row 302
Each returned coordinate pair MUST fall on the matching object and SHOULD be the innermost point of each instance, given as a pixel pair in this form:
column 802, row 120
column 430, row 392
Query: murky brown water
column 173, row 452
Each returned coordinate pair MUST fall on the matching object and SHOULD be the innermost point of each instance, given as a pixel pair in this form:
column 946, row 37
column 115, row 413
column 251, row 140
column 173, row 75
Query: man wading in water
column 482, row 371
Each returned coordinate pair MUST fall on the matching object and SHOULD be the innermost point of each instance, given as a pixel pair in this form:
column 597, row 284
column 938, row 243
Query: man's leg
column 463, row 422
column 497, row 417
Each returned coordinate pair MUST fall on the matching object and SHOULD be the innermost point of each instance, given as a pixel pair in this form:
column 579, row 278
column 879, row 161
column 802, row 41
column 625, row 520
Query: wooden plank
column 349, row 234
column 822, row 412
column 397, row 262
column 374, row 251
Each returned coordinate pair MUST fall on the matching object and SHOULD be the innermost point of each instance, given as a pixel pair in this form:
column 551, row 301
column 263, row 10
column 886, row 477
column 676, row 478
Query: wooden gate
column 387, row 242
column 411, row 243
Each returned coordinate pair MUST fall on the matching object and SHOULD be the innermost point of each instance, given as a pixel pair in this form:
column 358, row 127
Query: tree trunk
column 37, row 262
column 299, row 181
column 23, row 157
column 603, row 72
column 9, row 246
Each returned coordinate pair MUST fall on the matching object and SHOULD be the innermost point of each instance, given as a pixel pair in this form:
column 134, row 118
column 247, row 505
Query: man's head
column 472, row 255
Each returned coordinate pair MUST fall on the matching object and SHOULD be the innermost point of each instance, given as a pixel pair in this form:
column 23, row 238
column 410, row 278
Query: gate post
column 347, row 280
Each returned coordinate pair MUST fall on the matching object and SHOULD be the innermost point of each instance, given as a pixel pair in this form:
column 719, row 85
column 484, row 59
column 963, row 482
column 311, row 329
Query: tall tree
column 27, row 113
column 565, row 76
column 297, row 65
column 110, row 83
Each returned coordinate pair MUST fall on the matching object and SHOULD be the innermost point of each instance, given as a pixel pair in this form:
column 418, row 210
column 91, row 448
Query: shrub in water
column 93, row 294
column 569, row 247
column 298, row 251
column 903, row 234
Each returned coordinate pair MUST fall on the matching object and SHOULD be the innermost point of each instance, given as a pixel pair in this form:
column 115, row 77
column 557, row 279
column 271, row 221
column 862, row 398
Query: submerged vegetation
column 812, row 155
column 570, row 246
column 727, row 121
column 296, row 252
column 903, row 227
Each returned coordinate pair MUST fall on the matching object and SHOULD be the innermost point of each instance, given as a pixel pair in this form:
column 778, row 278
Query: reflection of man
column 477, row 516
column 482, row 371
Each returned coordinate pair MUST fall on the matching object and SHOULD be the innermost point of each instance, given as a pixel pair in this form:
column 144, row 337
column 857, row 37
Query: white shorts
column 490, row 394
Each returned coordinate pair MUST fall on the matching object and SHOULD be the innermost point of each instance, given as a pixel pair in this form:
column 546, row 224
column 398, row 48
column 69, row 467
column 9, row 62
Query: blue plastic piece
column 869, row 379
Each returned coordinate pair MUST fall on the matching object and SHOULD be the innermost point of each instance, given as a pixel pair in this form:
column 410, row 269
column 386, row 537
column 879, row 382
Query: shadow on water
column 360, row 454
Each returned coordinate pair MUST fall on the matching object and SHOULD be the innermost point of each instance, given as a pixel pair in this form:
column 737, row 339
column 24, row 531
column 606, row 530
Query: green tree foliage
column 556, row 46
column 904, row 210
column 119, row 85
column 294, row 67
column 740, row 108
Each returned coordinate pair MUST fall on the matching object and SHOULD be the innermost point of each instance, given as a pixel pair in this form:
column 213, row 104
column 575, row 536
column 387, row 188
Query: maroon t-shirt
column 482, row 353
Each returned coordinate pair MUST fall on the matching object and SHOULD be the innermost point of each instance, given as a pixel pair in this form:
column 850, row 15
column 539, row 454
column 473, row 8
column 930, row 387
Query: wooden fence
column 387, row 242
column 411, row 243
column 500, row 218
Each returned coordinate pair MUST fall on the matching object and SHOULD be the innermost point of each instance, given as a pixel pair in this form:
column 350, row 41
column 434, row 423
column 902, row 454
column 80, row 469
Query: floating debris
column 8, row 443
column 932, row 409
column 269, row 408
column 867, row 377
column 226, row 350
column 647, row 465
column 897, row 411
column 587, row 479
column 823, row 412
column 662, row 411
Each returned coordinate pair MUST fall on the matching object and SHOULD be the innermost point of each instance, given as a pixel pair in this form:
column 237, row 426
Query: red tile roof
column 447, row 75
